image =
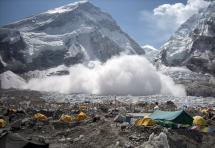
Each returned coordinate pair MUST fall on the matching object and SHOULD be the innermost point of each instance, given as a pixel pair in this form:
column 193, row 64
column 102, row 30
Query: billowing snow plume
column 9, row 79
column 123, row 75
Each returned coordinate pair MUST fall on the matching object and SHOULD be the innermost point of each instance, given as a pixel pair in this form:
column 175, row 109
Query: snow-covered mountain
column 150, row 52
column 193, row 44
column 70, row 34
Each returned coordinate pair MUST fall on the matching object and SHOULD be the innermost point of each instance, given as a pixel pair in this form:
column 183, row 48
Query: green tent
column 178, row 117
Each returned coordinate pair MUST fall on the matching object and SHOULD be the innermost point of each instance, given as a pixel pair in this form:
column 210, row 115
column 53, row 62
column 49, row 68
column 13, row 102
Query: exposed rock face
column 11, row 50
column 193, row 44
column 71, row 34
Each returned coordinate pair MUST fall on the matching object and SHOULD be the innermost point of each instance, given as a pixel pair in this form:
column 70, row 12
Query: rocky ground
column 96, row 134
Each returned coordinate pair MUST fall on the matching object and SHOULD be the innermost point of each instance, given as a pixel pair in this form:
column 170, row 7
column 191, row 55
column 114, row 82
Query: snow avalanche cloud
column 123, row 75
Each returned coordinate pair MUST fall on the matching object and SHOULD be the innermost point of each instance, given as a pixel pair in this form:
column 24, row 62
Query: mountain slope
column 151, row 53
column 193, row 44
column 71, row 34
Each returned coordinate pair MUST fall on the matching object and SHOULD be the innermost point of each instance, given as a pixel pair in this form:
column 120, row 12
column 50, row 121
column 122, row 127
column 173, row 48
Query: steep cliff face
column 11, row 50
column 71, row 34
column 193, row 44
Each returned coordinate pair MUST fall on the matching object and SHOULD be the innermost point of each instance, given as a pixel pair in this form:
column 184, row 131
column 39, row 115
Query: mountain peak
column 71, row 34
column 149, row 47
column 151, row 52
column 82, row 13
column 66, row 8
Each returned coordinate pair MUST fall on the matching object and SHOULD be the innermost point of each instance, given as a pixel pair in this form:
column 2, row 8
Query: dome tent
column 177, row 117
column 81, row 116
column 145, row 122
column 198, row 120
column 66, row 118
column 40, row 117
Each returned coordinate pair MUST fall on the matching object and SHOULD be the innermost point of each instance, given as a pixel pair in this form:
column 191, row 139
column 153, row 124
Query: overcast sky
column 146, row 21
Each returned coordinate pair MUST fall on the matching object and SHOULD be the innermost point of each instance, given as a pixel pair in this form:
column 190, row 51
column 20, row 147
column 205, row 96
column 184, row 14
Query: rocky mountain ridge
column 193, row 44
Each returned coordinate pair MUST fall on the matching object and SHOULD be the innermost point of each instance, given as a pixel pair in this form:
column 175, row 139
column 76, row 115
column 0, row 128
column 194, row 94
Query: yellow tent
column 206, row 110
column 198, row 120
column 2, row 123
column 205, row 130
column 83, row 107
column 66, row 118
column 40, row 117
column 145, row 122
column 12, row 110
column 81, row 116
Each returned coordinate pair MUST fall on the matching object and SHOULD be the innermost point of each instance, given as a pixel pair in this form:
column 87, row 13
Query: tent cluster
column 64, row 118
column 39, row 117
column 169, row 119
column 3, row 122
column 68, row 118
column 173, row 119
column 166, row 118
